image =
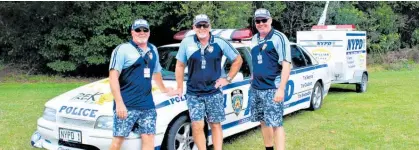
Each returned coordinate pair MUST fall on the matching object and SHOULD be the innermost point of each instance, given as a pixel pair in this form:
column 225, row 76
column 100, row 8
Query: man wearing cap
column 130, row 80
column 271, row 60
column 202, row 53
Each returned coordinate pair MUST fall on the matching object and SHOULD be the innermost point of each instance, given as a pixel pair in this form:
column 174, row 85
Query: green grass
column 385, row 117
column 20, row 107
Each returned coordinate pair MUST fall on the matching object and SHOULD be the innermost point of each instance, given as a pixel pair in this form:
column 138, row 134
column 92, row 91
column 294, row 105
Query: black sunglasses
column 205, row 25
column 141, row 29
column 262, row 20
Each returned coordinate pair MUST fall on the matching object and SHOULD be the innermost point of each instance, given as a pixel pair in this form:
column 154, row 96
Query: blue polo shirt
column 130, row 61
column 267, row 57
column 201, row 81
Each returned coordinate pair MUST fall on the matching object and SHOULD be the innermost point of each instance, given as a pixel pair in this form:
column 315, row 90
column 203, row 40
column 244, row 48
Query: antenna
column 322, row 19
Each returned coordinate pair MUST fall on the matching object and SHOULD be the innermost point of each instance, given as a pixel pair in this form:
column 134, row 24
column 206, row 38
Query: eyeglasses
column 141, row 29
column 262, row 20
column 205, row 25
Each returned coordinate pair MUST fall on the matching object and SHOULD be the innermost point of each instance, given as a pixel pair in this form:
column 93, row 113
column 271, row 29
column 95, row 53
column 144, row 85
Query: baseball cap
column 201, row 18
column 140, row 23
column 262, row 13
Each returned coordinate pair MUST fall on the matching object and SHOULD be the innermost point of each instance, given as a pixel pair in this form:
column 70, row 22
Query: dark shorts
column 146, row 120
column 211, row 106
column 264, row 108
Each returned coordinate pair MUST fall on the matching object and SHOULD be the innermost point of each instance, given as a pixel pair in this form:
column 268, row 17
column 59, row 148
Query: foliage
column 77, row 37
column 415, row 37
column 222, row 14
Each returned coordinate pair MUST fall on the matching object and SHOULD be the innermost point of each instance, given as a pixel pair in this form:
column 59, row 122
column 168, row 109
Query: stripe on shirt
column 114, row 57
column 283, row 43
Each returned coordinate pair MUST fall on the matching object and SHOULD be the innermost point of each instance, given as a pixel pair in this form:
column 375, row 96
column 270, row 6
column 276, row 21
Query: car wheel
column 180, row 135
column 362, row 87
column 316, row 97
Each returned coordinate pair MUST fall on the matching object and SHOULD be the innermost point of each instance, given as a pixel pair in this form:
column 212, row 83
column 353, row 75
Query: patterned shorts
column 264, row 108
column 212, row 106
column 138, row 121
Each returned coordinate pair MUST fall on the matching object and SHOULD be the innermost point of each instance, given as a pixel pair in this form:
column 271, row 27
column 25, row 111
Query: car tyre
column 180, row 135
column 316, row 97
column 362, row 87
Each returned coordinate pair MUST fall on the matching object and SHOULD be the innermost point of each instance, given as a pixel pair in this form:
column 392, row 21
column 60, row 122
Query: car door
column 236, row 98
column 300, row 84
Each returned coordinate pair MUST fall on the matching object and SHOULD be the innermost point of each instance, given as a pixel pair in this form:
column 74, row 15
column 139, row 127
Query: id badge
column 146, row 72
column 259, row 59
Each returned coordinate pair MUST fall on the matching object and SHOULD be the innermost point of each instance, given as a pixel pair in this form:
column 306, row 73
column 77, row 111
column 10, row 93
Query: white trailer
column 342, row 48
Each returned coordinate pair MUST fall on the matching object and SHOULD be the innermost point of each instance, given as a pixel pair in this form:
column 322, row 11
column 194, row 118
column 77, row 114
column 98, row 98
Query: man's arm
column 235, row 66
column 179, row 72
column 285, row 74
column 116, row 92
column 232, row 54
column 157, row 77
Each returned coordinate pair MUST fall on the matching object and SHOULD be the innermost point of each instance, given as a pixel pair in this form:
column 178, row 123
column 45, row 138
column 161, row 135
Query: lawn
column 385, row 117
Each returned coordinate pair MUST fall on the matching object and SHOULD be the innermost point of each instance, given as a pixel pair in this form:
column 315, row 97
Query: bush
column 403, row 64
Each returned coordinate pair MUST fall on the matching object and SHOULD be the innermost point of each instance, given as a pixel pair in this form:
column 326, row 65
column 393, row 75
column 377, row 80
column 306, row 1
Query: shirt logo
column 210, row 49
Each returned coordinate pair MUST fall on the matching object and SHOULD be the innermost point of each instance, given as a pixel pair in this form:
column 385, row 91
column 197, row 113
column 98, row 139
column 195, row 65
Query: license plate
column 70, row 135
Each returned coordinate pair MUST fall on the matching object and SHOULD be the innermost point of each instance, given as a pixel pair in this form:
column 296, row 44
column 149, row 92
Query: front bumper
column 91, row 138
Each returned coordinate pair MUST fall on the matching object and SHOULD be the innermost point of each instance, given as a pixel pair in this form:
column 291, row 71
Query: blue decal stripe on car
column 247, row 81
column 163, row 104
column 247, row 119
column 355, row 34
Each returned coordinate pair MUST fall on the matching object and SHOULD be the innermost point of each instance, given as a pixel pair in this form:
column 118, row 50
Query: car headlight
column 49, row 114
column 104, row 122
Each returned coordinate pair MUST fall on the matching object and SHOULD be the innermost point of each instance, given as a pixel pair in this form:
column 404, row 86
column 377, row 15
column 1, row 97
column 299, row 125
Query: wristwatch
column 229, row 79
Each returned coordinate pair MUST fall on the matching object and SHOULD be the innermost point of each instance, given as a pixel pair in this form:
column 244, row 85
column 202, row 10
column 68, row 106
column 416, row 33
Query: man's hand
column 121, row 111
column 279, row 95
column 221, row 82
column 177, row 92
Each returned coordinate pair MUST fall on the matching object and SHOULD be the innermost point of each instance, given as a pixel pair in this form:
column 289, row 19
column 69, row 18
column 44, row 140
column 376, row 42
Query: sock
column 269, row 148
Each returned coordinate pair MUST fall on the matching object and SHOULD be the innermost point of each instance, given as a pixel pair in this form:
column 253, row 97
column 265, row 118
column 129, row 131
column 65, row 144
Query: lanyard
column 203, row 61
column 261, row 45
column 140, row 51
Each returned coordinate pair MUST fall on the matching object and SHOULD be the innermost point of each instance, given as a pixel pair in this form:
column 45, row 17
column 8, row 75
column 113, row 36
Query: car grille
column 76, row 122
column 77, row 145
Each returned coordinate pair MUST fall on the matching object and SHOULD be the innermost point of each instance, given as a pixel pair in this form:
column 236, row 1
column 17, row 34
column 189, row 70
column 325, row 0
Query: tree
column 222, row 14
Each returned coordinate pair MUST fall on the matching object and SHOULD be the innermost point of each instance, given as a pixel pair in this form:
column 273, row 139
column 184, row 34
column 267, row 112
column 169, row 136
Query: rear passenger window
column 297, row 57
column 307, row 58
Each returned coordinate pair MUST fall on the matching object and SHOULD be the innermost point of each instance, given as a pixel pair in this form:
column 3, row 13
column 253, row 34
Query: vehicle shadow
column 335, row 90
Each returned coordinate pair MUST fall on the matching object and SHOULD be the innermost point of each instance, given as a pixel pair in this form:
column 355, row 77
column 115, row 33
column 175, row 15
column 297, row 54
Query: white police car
column 82, row 118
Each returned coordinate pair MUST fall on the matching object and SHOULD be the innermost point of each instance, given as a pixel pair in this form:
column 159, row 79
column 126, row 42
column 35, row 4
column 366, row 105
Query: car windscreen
column 168, row 62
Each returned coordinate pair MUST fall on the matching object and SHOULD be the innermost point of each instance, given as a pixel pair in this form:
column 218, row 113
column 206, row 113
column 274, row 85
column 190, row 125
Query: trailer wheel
column 362, row 87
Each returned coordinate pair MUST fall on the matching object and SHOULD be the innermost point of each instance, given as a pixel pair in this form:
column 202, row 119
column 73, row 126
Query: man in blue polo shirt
column 202, row 53
column 271, row 60
column 130, row 80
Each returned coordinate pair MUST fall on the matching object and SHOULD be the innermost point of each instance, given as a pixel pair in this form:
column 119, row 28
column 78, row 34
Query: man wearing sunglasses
column 271, row 59
column 130, row 80
column 202, row 53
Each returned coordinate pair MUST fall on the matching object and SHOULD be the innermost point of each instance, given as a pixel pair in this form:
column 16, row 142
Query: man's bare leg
column 199, row 134
column 117, row 142
column 217, row 136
